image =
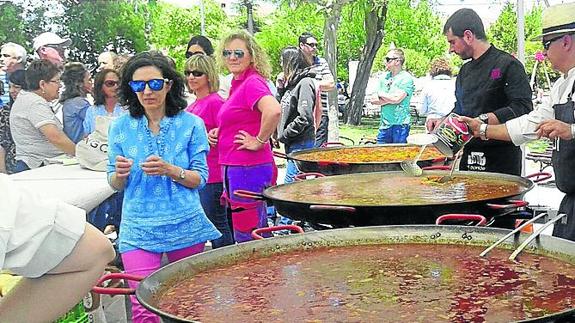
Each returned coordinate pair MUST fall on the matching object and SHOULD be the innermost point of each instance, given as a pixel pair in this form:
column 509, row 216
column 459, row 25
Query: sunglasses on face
column 110, row 83
column 236, row 52
column 190, row 54
column 547, row 43
column 389, row 59
column 154, row 84
column 194, row 73
column 314, row 45
column 57, row 48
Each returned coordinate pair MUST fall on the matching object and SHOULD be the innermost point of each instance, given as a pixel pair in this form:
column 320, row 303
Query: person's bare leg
column 46, row 298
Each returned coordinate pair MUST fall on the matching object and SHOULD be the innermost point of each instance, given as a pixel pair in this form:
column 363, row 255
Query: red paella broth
column 377, row 283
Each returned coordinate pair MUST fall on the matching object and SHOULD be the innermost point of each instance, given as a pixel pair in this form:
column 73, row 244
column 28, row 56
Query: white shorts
column 36, row 234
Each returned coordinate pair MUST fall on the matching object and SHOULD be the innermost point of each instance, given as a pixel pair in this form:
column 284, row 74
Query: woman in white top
column 438, row 95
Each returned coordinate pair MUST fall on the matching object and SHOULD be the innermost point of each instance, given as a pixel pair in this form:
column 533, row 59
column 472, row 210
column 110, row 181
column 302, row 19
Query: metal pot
column 175, row 272
column 332, row 167
column 339, row 211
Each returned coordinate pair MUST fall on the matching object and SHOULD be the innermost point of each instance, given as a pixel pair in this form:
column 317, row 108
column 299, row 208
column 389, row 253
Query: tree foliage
column 100, row 25
column 13, row 27
column 172, row 27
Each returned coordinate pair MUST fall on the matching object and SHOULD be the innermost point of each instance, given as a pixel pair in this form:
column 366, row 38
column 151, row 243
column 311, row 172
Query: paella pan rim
column 295, row 155
column 393, row 234
column 525, row 183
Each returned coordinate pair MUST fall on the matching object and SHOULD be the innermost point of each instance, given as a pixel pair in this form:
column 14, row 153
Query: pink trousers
column 142, row 263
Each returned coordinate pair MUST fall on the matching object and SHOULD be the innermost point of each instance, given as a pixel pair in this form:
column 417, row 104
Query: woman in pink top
column 202, row 80
column 246, row 121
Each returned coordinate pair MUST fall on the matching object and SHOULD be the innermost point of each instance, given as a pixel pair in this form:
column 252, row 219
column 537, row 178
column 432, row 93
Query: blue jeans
column 217, row 213
column 20, row 167
column 291, row 168
column 396, row 134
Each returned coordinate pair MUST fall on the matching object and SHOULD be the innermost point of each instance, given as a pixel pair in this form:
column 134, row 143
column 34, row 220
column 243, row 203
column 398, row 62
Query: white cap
column 49, row 38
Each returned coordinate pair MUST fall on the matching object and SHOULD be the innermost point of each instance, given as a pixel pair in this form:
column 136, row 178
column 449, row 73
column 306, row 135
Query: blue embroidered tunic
column 158, row 214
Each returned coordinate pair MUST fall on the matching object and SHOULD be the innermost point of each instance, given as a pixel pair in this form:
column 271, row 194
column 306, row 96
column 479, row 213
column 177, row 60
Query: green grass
column 368, row 129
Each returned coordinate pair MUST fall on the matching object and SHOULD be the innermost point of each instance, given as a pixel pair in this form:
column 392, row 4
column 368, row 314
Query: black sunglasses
column 389, row 59
column 314, row 45
column 154, row 84
column 547, row 43
column 194, row 73
column 190, row 54
column 239, row 53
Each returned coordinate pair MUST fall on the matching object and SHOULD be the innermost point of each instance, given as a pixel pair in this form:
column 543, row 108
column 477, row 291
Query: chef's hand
column 156, row 166
column 247, row 141
column 123, row 167
column 213, row 136
column 473, row 124
column 431, row 123
column 554, row 129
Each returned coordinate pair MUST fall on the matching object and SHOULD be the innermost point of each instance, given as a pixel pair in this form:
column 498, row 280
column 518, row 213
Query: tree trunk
column 330, row 41
column 375, row 17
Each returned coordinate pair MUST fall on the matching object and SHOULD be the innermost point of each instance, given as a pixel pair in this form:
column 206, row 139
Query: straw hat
column 558, row 19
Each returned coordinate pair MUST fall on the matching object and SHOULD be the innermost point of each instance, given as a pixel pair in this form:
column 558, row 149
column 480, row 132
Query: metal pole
column 203, row 17
column 521, row 31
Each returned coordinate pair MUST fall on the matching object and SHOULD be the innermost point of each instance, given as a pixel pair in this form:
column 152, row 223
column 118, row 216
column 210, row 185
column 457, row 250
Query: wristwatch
column 484, row 118
column 181, row 175
column 483, row 131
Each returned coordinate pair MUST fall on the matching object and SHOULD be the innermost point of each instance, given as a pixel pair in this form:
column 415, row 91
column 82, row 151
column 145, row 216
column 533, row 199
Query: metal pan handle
column 437, row 167
column 463, row 217
column 304, row 176
column 349, row 209
column 256, row 234
column 116, row 290
column 280, row 155
column 249, row 195
column 512, row 204
column 539, row 177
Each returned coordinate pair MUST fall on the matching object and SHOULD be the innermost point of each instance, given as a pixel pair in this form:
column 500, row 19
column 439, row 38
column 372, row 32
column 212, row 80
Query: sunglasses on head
column 236, row 52
column 110, row 83
column 194, row 73
column 154, row 84
column 190, row 54
column 547, row 43
column 389, row 59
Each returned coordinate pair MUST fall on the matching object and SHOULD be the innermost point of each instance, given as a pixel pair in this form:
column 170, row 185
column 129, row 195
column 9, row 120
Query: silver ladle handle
column 526, row 223
column 534, row 235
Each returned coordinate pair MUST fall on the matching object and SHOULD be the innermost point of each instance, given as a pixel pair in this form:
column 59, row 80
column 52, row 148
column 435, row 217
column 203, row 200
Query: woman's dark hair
column 175, row 101
column 73, row 79
column 40, row 70
column 203, row 42
column 18, row 77
column 294, row 62
column 99, row 96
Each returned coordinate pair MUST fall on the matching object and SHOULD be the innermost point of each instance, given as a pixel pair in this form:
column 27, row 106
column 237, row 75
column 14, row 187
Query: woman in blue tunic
column 157, row 155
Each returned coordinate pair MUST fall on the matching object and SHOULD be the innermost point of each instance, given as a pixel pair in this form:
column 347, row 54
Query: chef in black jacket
column 492, row 86
column 555, row 121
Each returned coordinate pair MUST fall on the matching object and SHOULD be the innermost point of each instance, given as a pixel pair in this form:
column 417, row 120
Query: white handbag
column 92, row 151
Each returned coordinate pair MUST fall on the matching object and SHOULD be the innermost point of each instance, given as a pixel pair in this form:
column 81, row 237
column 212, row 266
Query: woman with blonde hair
column 246, row 122
column 202, row 79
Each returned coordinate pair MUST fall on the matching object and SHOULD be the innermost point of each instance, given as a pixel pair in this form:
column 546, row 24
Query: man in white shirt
column 555, row 121
column 49, row 243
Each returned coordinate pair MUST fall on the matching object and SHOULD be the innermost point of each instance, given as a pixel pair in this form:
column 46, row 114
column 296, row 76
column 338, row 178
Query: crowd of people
column 176, row 160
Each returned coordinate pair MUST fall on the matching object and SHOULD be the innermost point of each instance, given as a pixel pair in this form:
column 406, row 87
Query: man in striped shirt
column 309, row 45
